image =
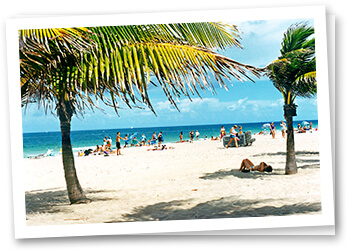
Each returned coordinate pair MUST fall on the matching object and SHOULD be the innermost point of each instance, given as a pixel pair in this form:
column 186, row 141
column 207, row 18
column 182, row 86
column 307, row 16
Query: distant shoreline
column 131, row 127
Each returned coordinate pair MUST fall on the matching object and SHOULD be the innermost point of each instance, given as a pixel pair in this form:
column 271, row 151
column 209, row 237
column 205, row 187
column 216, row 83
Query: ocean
column 35, row 144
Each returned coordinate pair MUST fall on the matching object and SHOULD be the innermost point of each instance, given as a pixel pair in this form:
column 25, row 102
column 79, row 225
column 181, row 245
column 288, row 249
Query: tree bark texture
column 75, row 192
column 291, row 166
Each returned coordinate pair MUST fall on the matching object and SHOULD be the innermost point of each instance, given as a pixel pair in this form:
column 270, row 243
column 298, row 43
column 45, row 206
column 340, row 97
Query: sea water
column 49, row 143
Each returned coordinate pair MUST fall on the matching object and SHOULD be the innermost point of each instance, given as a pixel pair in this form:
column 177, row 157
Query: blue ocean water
column 40, row 143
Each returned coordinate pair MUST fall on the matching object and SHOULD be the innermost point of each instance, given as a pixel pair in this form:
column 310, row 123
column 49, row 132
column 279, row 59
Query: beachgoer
column 143, row 139
column 163, row 147
column 154, row 138
column 261, row 132
column 299, row 127
column 197, row 134
column 283, row 129
column 97, row 149
column 214, row 139
column 273, row 130
column 109, row 143
column 105, row 141
column 160, row 139
column 191, row 135
column 117, row 139
column 233, row 136
column 247, row 166
column 240, row 130
column 181, row 136
column 222, row 132
column 126, row 141
column 310, row 125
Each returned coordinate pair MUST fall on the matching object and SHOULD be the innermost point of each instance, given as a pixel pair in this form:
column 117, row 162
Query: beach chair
column 244, row 140
column 248, row 137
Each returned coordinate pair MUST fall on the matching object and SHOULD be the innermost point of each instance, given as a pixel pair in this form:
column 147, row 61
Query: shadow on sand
column 223, row 173
column 55, row 200
column 228, row 207
column 298, row 153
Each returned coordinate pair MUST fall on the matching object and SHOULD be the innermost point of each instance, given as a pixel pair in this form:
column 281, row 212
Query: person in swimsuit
column 222, row 132
column 197, row 134
column 154, row 138
column 143, row 139
column 273, row 130
column 181, row 136
column 191, row 134
column 126, row 141
column 118, row 142
column 283, row 129
column 247, row 166
column 233, row 136
column 240, row 132
column 160, row 139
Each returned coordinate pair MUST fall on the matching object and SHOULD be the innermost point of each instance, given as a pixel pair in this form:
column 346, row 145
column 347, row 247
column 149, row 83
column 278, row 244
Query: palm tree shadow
column 225, row 207
column 49, row 201
column 298, row 153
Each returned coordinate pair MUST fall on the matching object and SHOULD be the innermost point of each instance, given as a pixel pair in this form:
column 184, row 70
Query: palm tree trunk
column 75, row 192
column 291, row 166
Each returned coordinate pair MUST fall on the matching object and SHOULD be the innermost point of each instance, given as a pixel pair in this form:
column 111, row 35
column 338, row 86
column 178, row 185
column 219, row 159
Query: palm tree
column 294, row 75
column 68, row 70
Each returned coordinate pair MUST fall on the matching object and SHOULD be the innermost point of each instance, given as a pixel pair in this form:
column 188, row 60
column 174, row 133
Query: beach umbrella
column 133, row 135
column 305, row 123
column 266, row 125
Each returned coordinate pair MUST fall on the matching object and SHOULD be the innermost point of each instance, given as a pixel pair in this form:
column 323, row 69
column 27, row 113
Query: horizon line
column 163, row 126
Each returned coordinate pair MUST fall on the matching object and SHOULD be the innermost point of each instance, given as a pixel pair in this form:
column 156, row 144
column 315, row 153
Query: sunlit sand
column 197, row 180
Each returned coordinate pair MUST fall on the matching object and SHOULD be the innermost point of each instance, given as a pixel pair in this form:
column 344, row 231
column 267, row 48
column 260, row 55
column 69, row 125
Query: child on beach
column 247, row 166
column 126, row 141
column 109, row 143
column 117, row 139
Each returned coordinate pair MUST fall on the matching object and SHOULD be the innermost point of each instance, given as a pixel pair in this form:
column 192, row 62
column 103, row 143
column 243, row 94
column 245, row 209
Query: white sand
column 194, row 180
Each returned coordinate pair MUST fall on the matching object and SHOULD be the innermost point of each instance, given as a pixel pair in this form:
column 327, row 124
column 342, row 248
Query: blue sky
column 243, row 102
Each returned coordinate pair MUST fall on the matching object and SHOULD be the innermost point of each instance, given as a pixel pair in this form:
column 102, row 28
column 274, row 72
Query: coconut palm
column 294, row 75
column 68, row 70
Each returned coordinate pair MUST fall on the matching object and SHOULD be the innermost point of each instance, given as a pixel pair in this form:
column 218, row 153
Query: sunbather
column 247, row 166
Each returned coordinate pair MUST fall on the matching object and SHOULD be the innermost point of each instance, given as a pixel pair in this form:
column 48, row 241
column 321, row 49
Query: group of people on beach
column 191, row 135
column 106, row 148
column 233, row 134
column 299, row 129
column 129, row 141
column 303, row 129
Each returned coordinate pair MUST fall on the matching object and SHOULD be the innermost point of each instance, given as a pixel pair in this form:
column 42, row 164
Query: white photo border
column 317, row 13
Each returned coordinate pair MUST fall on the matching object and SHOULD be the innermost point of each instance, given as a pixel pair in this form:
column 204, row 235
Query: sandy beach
column 197, row 180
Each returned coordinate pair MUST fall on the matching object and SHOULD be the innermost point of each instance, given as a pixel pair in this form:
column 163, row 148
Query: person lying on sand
column 214, row 138
column 163, row 147
column 247, row 166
